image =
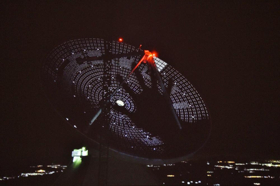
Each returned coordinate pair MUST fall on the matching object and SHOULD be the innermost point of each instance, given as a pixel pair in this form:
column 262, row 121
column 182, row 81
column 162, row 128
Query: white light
column 120, row 103
column 75, row 126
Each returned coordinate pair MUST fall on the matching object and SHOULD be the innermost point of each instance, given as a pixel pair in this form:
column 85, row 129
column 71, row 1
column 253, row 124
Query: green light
column 77, row 153
column 77, row 161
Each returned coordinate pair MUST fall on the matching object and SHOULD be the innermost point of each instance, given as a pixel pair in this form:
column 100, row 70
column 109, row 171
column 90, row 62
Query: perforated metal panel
column 73, row 76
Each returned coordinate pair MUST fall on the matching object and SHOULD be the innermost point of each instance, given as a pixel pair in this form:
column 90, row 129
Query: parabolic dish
column 79, row 75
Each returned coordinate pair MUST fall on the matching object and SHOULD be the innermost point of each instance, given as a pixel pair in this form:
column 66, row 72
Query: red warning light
column 120, row 39
column 155, row 54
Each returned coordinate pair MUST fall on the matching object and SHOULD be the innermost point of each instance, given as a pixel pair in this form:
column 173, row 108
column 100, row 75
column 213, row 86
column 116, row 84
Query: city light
column 216, row 174
column 253, row 176
column 170, row 176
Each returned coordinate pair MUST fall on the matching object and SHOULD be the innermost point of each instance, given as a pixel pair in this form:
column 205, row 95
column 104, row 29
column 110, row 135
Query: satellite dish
column 151, row 114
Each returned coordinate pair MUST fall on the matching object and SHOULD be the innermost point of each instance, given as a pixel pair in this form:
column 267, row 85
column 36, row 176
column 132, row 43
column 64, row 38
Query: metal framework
column 81, row 75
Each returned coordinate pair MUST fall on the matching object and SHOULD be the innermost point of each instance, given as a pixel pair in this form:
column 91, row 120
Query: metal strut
column 103, row 138
column 105, row 108
column 150, row 59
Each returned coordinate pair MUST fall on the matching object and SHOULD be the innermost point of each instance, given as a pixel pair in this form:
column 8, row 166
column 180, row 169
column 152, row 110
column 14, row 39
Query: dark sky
column 228, row 51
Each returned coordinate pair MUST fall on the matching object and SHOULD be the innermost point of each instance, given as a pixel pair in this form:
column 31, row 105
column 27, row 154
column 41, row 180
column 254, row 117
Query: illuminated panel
column 77, row 153
column 160, row 64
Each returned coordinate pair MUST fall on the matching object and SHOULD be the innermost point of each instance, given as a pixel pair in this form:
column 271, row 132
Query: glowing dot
column 155, row 54
column 120, row 39
column 120, row 103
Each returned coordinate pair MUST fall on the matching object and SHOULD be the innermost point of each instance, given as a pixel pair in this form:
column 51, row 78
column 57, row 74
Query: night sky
column 228, row 51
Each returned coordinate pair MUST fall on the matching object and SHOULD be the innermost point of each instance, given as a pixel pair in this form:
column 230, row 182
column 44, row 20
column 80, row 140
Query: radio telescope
column 119, row 95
